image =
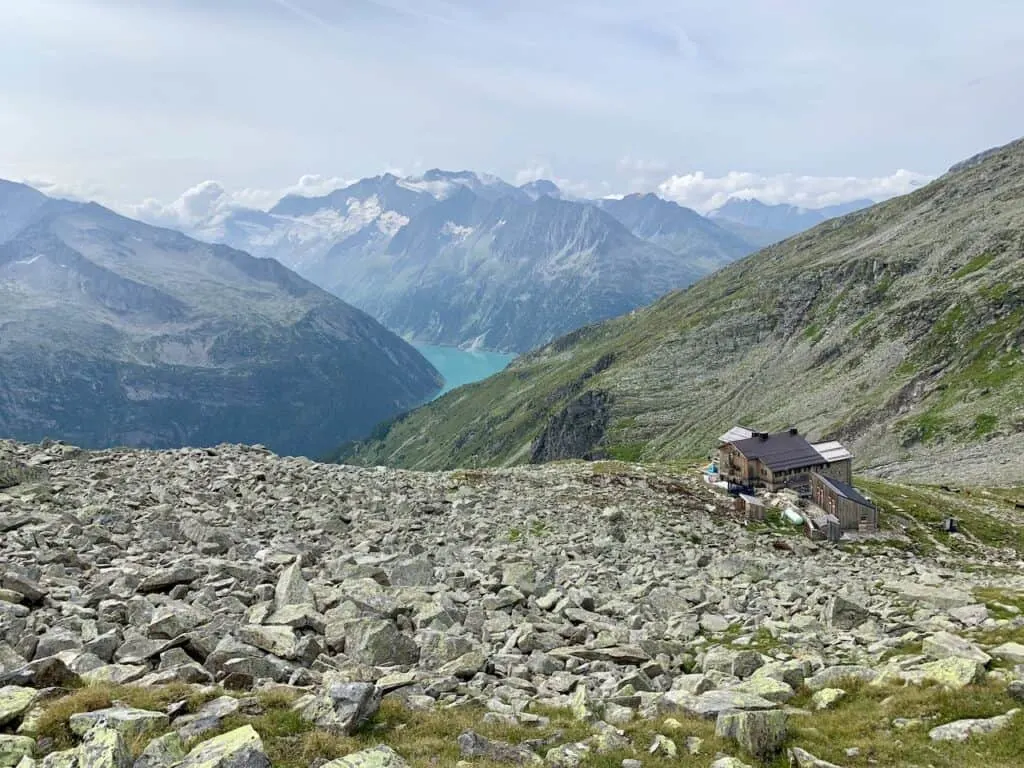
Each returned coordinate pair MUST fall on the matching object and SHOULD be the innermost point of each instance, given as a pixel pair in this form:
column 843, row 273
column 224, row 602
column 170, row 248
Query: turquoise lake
column 461, row 366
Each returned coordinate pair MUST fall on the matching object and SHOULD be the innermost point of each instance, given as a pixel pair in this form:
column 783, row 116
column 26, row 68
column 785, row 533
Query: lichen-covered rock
column 162, row 752
column 67, row 758
column 826, row 677
column 729, row 762
column 14, row 702
column 103, row 747
column 842, row 613
column 292, row 588
column 117, row 674
column 962, row 730
column 953, row 672
column 767, row 688
column 341, row 707
column 376, row 757
column 240, row 748
column 826, row 697
column 475, row 746
column 280, row 641
column 13, row 748
column 801, row 758
column 944, row 645
column 762, row 734
column 127, row 721
column 1011, row 652
column 379, row 642
column 711, row 703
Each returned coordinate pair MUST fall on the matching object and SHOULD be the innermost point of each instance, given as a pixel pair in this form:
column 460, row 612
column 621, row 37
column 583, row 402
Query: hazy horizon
column 187, row 106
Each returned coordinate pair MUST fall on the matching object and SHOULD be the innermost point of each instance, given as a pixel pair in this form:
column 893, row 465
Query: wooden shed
column 854, row 512
column 822, row 526
column 751, row 507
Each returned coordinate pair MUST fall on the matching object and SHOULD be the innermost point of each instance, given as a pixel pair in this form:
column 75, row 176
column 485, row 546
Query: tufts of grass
column 985, row 424
column 628, row 452
column 977, row 263
column 53, row 723
column 867, row 719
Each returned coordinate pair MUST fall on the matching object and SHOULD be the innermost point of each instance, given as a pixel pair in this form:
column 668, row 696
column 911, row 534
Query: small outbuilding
column 821, row 526
column 751, row 507
column 843, row 501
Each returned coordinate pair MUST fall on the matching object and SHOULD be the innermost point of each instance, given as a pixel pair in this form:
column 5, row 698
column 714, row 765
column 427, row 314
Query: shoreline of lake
column 463, row 366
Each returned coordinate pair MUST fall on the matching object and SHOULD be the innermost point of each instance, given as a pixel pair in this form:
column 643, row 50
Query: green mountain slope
column 898, row 329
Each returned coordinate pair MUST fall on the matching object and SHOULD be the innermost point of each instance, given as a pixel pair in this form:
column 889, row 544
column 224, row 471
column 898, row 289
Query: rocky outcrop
column 576, row 431
column 456, row 259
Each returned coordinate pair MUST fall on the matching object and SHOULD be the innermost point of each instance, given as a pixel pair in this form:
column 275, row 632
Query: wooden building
column 749, row 459
column 751, row 507
column 834, row 497
column 821, row 526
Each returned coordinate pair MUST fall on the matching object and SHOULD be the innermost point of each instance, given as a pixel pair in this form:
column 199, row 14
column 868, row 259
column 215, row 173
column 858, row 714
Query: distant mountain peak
column 541, row 188
column 765, row 223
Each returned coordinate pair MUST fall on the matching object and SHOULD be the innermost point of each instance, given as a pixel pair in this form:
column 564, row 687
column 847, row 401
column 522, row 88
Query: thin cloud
column 704, row 193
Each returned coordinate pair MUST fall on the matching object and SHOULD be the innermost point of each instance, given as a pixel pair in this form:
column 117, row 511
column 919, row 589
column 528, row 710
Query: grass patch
column 1001, row 603
column 865, row 719
column 929, row 427
column 630, row 452
column 985, row 424
column 978, row 262
column 986, row 516
column 53, row 723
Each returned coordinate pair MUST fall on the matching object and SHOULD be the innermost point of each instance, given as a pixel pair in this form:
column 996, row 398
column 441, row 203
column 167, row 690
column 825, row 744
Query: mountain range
column 114, row 332
column 464, row 259
column 898, row 329
column 761, row 224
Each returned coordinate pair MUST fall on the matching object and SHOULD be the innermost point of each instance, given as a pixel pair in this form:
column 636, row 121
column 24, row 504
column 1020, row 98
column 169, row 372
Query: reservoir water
column 462, row 366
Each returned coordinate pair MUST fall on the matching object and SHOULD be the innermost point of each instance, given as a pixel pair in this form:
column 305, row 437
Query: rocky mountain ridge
column 456, row 258
column 116, row 332
column 896, row 329
column 763, row 224
column 667, row 632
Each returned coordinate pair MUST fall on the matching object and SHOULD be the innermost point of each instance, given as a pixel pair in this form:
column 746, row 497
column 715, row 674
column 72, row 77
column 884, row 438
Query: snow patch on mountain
column 455, row 231
column 439, row 190
column 389, row 222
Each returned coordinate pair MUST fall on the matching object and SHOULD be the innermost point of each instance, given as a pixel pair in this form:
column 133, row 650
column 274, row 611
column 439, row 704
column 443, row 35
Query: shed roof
column 736, row 433
column 780, row 451
column 845, row 490
column 832, row 451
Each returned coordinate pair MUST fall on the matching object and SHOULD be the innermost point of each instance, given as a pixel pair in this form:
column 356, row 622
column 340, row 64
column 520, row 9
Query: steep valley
column 897, row 329
column 118, row 333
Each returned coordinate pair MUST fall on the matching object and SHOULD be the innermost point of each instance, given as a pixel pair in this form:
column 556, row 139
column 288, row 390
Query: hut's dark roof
column 780, row 451
column 845, row 490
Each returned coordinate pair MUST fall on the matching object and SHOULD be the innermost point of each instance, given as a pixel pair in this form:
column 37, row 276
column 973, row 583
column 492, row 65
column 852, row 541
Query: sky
column 811, row 102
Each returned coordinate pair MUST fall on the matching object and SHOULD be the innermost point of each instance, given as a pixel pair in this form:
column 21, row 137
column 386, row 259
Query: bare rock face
column 576, row 431
column 342, row 707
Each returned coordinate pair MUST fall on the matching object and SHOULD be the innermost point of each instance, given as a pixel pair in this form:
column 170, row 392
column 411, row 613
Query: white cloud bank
column 205, row 206
column 208, row 203
column 704, row 193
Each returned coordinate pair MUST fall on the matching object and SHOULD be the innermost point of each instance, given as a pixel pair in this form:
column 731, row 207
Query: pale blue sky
column 802, row 100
